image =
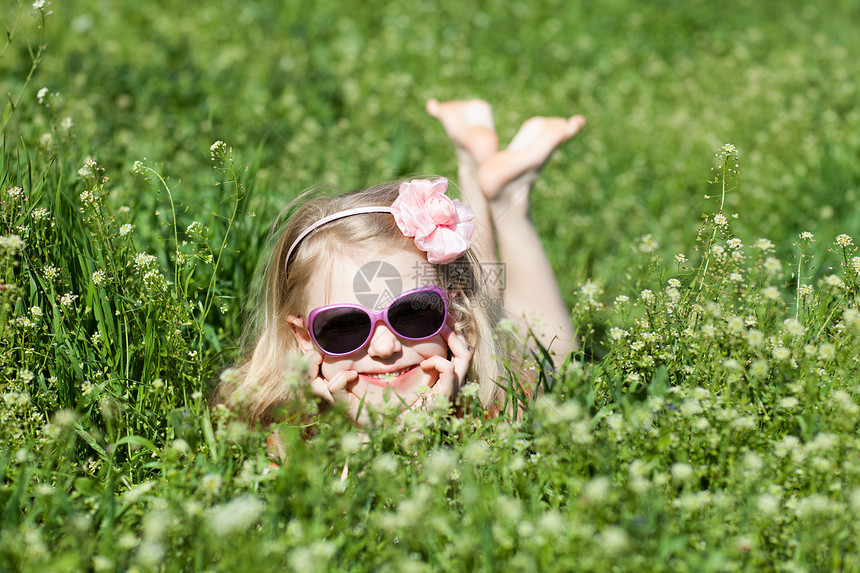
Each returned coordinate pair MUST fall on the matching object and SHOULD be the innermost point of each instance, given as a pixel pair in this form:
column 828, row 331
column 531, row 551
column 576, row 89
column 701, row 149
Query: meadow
column 703, row 226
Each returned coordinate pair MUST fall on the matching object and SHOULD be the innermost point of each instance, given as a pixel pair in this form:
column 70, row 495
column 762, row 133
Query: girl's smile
column 387, row 379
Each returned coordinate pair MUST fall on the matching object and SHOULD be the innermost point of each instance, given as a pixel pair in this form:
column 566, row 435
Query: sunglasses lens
column 418, row 315
column 341, row 330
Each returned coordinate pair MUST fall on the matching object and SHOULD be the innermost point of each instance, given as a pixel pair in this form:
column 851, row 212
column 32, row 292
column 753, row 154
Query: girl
column 382, row 295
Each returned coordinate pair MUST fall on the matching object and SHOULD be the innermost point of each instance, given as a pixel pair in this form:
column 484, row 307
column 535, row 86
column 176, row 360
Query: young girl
column 390, row 291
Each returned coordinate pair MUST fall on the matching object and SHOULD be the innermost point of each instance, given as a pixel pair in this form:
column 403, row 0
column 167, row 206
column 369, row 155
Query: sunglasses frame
column 376, row 317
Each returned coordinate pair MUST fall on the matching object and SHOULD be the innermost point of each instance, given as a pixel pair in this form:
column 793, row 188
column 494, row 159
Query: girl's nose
column 383, row 343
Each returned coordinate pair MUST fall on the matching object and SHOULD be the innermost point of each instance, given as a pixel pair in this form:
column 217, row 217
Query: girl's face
column 386, row 361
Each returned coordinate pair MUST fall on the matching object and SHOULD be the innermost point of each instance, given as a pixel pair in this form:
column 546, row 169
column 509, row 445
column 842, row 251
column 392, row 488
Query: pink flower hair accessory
column 442, row 226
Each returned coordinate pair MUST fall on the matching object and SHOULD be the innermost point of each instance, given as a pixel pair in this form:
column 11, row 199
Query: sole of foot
column 469, row 125
column 528, row 151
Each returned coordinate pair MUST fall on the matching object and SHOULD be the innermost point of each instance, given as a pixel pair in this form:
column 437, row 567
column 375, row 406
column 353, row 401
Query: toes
column 574, row 124
column 432, row 107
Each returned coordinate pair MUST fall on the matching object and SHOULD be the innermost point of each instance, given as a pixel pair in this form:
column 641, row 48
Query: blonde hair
column 270, row 348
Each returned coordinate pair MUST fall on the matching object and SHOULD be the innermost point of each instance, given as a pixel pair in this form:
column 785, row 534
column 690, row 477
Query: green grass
column 712, row 424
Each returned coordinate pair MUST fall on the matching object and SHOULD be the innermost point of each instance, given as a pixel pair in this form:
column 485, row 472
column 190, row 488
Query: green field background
column 710, row 422
column 324, row 92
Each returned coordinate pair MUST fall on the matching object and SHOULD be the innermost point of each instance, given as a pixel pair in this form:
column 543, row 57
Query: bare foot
column 511, row 170
column 469, row 125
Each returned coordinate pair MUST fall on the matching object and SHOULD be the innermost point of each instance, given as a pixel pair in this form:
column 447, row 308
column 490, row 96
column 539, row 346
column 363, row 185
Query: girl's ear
column 300, row 331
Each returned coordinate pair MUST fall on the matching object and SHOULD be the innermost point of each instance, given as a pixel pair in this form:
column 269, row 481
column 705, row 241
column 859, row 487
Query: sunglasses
column 341, row 329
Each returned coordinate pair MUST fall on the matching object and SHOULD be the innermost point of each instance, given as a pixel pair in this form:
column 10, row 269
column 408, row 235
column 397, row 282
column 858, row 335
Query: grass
column 710, row 427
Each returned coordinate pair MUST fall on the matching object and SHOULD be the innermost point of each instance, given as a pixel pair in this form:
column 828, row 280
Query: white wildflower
column 735, row 324
column 88, row 170
column 793, row 327
column 827, row 352
column 210, row 483
column 763, row 245
column 833, row 280
column 759, row 368
column 771, row 293
column 844, row 240
column 616, row 333
column 99, row 277
column 194, row 228
column 126, row 229
column 591, row 290
column 772, row 265
column 217, row 148
column 144, row 261
column 682, row 472
column 754, row 337
column 768, row 504
column 235, row 516
column 781, row 353
column 613, row 540
column 68, row 299
column 12, row 244
column 596, row 490
column 647, row 244
column 50, row 272
column 385, row 464
column 88, row 198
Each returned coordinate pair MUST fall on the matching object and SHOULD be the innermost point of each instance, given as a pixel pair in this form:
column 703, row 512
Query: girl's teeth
column 389, row 376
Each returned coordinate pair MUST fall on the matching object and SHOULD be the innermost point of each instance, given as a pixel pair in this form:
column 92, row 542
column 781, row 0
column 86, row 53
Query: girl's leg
column 496, row 185
column 506, row 178
column 469, row 125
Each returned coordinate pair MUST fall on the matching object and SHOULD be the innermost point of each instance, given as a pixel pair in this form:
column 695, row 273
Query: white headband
column 441, row 227
column 329, row 219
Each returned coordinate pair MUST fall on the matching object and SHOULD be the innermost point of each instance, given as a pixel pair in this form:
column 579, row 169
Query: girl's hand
column 451, row 372
column 335, row 391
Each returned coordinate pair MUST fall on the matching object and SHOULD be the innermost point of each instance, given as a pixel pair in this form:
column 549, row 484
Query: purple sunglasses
column 341, row 329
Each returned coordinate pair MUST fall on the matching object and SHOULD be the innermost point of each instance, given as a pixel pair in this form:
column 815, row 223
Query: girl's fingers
column 461, row 353
column 437, row 363
column 356, row 408
column 314, row 361
column 447, row 381
column 331, row 390
column 319, row 388
column 340, row 380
